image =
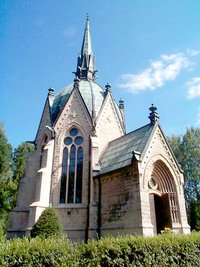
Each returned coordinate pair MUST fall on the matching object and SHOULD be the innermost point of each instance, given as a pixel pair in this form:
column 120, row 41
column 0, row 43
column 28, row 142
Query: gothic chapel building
column 100, row 179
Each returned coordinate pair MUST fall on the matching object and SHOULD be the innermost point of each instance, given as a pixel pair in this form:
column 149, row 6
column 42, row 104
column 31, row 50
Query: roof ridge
column 149, row 124
column 119, row 152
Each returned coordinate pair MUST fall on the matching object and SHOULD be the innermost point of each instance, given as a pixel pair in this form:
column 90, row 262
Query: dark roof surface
column 119, row 152
column 93, row 96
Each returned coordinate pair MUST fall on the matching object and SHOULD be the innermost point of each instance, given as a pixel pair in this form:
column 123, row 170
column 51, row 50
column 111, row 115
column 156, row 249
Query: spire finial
column 51, row 91
column 153, row 115
column 86, row 45
column 121, row 103
column 86, row 61
column 76, row 83
column 108, row 87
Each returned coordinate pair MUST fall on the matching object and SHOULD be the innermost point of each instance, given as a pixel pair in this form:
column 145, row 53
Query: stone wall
column 120, row 203
column 74, row 221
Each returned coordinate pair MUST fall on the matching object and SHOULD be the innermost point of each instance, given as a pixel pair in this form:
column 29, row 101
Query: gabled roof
column 119, row 152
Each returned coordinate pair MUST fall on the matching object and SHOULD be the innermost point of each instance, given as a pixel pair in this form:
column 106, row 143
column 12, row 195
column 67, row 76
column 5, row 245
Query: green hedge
column 36, row 252
column 164, row 250
column 47, row 225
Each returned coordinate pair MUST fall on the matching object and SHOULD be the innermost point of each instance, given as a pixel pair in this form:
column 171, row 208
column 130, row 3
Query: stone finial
column 108, row 87
column 76, row 83
column 153, row 115
column 51, row 91
column 121, row 103
column 122, row 111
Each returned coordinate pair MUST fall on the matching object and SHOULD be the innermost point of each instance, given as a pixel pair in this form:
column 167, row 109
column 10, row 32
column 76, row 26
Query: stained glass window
column 72, row 168
column 64, row 176
column 79, row 174
column 71, row 174
column 78, row 140
column 68, row 141
column 73, row 132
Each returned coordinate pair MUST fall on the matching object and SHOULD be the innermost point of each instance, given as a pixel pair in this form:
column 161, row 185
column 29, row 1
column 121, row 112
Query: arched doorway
column 162, row 198
column 160, row 212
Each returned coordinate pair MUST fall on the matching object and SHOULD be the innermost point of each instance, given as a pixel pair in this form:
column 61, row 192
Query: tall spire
column 86, row 45
column 86, row 61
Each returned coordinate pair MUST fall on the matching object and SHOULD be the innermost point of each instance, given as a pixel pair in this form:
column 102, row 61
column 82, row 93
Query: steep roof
column 93, row 96
column 119, row 152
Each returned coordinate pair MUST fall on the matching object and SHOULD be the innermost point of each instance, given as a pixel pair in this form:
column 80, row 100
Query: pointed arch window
column 43, row 155
column 72, row 168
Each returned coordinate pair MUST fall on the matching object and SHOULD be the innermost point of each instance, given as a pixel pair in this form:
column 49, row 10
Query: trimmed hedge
column 36, row 252
column 164, row 250
column 47, row 225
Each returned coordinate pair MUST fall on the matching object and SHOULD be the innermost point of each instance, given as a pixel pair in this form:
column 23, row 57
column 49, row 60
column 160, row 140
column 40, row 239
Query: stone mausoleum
column 100, row 179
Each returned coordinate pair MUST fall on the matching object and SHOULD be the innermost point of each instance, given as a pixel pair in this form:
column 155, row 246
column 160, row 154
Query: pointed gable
column 92, row 94
column 46, row 119
column 74, row 111
column 158, row 148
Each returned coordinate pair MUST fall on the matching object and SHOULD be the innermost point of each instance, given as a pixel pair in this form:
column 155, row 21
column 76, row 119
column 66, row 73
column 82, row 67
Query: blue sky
column 149, row 51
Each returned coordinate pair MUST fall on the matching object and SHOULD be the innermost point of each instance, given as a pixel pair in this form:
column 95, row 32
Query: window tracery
column 72, row 168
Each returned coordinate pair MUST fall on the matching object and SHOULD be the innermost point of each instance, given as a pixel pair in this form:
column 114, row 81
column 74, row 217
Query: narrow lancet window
column 71, row 174
column 79, row 174
column 43, row 156
column 64, row 176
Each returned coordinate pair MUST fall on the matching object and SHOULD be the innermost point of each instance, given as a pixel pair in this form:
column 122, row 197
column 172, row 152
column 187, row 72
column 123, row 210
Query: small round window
column 78, row 140
column 153, row 184
column 68, row 141
column 73, row 132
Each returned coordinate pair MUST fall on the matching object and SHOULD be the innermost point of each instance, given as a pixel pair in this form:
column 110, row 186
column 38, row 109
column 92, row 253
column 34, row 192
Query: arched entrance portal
column 162, row 198
column 160, row 212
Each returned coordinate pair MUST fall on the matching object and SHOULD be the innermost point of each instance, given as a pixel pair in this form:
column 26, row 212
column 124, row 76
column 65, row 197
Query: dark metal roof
column 119, row 152
column 93, row 96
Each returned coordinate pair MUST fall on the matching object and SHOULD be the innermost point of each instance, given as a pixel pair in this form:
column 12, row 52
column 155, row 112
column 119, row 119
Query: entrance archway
column 160, row 212
column 162, row 198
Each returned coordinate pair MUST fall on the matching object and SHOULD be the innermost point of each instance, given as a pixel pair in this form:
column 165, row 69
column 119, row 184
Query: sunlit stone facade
column 100, row 179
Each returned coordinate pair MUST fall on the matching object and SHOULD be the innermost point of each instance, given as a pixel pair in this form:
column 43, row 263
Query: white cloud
column 192, row 52
column 168, row 67
column 193, row 88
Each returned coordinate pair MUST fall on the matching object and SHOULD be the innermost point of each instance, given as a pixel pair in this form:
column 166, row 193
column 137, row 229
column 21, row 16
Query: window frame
column 70, row 159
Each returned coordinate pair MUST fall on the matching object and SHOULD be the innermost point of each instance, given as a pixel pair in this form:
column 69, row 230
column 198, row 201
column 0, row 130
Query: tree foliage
column 195, row 214
column 47, row 225
column 187, row 151
column 5, row 155
column 7, row 186
column 12, row 169
column 21, row 153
